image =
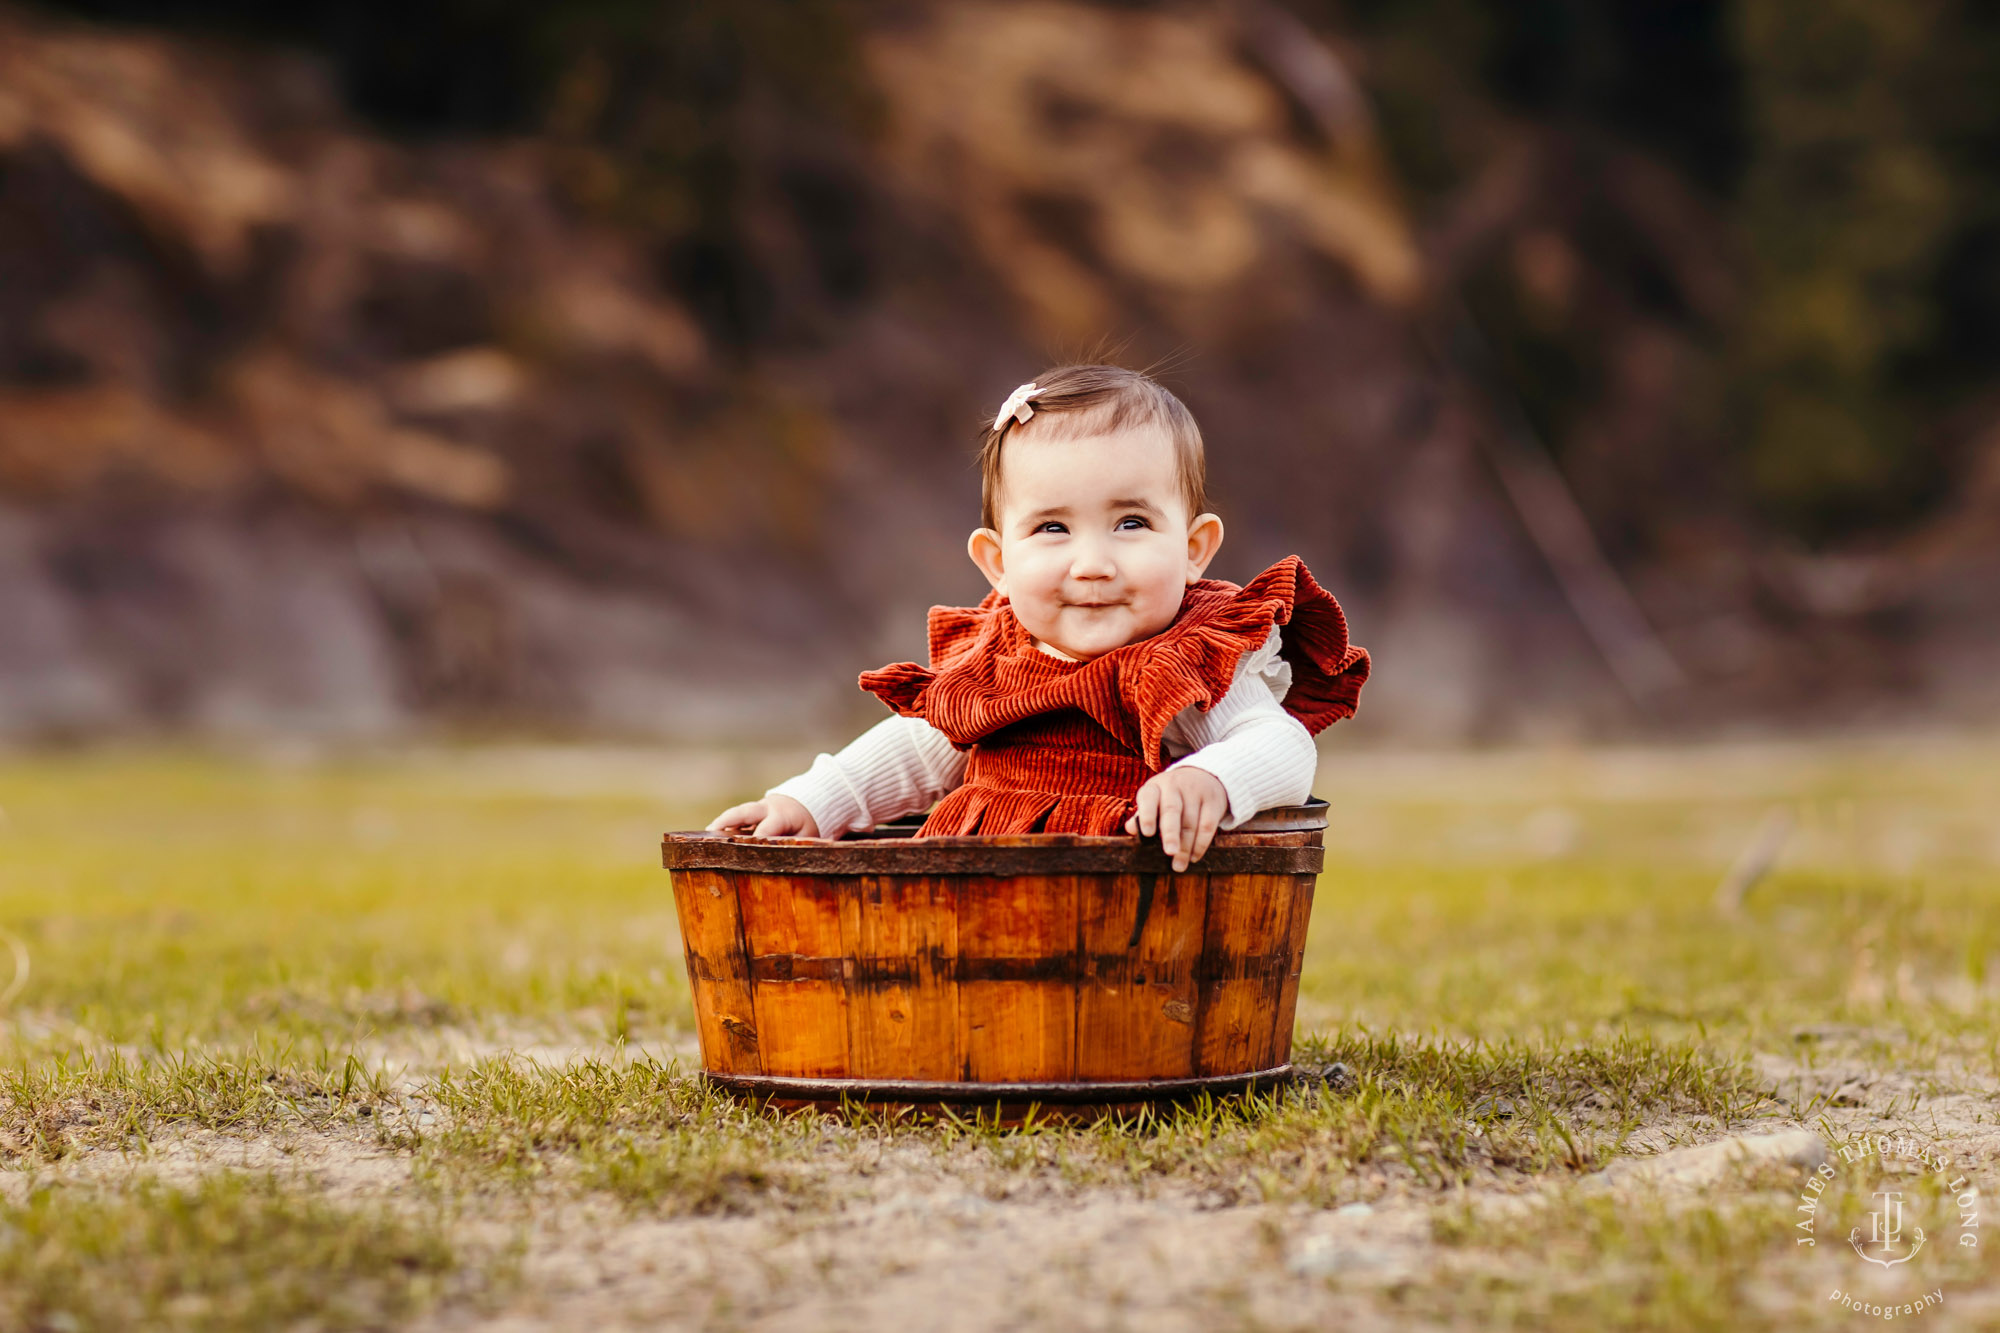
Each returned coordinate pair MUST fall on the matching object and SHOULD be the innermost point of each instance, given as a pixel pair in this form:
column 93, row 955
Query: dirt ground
column 1577, row 1095
column 909, row 1235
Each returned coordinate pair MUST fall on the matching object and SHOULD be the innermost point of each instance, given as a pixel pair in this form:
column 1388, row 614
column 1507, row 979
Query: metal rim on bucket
column 831, row 1090
column 1271, row 843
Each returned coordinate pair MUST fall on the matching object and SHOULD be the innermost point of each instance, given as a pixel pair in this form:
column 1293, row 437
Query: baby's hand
column 1185, row 805
column 772, row 817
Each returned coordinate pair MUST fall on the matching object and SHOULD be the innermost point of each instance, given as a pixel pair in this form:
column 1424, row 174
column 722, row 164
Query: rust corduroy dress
column 1063, row 747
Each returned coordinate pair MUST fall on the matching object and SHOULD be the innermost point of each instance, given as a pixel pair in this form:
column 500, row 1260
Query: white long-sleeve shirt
column 1262, row 755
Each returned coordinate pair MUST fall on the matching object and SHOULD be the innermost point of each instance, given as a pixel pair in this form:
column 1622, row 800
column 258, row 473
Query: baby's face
column 1095, row 546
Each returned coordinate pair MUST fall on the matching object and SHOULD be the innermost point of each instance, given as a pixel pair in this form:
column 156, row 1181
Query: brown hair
column 1075, row 401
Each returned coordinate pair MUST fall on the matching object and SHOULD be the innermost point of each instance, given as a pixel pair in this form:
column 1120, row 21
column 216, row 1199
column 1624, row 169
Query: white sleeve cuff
column 1260, row 767
column 1267, row 665
column 897, row 767
column 1262, row 755
column 829, row 796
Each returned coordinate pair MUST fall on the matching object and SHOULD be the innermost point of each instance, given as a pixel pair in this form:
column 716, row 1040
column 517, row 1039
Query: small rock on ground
column 1692, row 1168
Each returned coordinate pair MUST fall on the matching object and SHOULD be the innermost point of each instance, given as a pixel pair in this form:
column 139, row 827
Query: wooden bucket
column 1076, row 974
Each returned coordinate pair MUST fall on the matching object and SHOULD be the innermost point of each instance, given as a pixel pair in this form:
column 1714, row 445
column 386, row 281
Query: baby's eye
column 1051, row 526
column 1132, row 522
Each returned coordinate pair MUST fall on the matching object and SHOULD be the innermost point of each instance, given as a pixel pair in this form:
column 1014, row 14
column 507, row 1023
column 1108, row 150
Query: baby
column 1104, row 684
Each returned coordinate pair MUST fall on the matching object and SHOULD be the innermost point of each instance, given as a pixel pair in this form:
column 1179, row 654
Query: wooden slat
column 1136, row 1002
column 1009, row 856
column 1017, row 1030
column 902, row 998
column 718, row 971
column 801, row 1018
column 1244, row 958
column 1288, row 992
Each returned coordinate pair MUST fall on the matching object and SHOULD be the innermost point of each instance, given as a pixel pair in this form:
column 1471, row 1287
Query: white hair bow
column 1017, row 405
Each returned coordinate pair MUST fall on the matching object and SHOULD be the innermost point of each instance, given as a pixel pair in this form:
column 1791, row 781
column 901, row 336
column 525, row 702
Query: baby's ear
column 984, row 548
column 1204, row 540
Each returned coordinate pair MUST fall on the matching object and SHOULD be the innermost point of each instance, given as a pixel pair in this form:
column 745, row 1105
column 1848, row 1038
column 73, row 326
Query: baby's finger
column 1204, row 831
column 1170, row 824
column 770, row 826
column 736, row 816
column 1149, row 809
column 1190, row 826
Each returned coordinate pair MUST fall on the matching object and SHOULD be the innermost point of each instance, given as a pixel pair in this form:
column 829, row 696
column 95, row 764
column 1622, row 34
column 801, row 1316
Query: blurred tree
column 1453, row 73
column 1962, row 117
column 1846, row 210
column 664, row 114
column 1852, row 148
column 670, row 116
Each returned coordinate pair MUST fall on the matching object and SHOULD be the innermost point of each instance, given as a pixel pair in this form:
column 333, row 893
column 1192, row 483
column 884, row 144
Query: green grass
column 1573, row 896
column 1596, row 1260
column 1419, row 1111
column 1438, row 1114
column 82, row 1101
column 648, row 1135
column 1517, row 957
column 171, row 902
column 234, row 1251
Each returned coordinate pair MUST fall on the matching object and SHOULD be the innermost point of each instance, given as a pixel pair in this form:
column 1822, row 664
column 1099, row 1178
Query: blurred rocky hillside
column 646, row 407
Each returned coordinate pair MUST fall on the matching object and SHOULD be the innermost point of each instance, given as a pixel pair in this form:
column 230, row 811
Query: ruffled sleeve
column 956, row 634
column 900, row 685
column 1194, row 663
column 1327, row 671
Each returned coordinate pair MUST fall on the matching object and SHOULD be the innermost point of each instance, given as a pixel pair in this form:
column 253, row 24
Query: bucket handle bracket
column 1145, row 909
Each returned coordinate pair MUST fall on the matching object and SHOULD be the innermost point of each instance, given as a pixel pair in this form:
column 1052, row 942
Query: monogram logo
column 1885, row 1229
column 1920, row 1182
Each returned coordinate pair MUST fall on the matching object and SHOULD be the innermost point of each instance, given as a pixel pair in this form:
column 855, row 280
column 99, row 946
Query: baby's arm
column 1263, row 755
column 897, row 767
column 1249, row 754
